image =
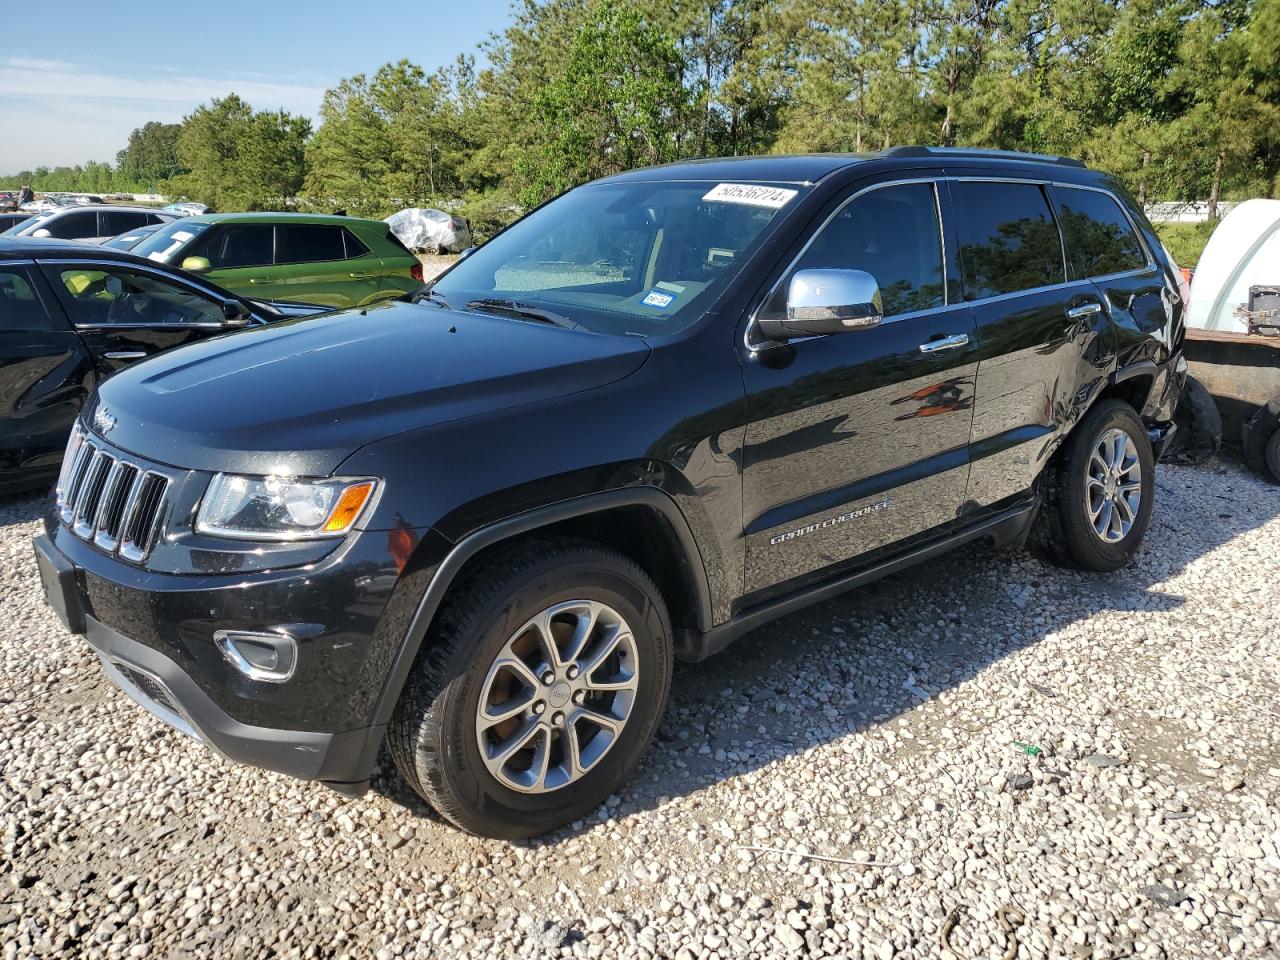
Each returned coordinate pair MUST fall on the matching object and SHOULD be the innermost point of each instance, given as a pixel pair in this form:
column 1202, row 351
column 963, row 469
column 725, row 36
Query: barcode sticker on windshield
column 753, row 195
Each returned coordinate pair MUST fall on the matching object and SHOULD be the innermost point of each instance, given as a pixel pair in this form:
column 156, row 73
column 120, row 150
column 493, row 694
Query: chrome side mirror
column 826, row 301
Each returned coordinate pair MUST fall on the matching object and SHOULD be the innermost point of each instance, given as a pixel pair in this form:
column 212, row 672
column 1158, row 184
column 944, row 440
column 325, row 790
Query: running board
column 1004, row 527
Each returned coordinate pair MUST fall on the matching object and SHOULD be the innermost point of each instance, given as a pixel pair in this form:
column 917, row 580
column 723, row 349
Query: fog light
column 259, row 656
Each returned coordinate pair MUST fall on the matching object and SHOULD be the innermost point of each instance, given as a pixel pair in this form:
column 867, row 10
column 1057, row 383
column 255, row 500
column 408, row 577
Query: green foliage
column 618, row 102
column 1186, row 241
column 151, row 155
column 1180, row 99
column 239, row 159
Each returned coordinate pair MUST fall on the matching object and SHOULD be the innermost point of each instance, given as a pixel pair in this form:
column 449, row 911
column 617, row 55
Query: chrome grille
column 110, row 500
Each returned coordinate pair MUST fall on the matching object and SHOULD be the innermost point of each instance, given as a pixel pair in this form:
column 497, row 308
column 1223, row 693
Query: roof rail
column 979, row 153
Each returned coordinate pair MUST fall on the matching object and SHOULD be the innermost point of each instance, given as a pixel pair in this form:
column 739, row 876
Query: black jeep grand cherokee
column 654, row 413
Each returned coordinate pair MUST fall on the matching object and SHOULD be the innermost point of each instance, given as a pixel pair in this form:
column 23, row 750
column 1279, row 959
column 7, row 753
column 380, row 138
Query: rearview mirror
column 197, row 265
column 826, row 301
column 42, row 233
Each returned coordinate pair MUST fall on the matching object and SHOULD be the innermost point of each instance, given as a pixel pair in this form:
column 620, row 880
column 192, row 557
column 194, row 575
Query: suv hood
column 300, row 396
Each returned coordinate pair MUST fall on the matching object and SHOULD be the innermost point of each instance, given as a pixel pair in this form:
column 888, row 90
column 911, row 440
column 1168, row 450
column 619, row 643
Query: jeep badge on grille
column 103, row 421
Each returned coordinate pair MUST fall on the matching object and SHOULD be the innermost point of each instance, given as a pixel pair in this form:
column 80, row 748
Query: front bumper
column 155, row 636
column 160, row 686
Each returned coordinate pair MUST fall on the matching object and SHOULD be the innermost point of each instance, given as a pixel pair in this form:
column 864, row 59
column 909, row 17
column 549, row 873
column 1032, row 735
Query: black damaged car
column 653, row 414
column 72, row 314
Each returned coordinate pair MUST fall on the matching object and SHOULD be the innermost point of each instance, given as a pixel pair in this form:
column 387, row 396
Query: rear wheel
column 538, row 690
column 1098, row 493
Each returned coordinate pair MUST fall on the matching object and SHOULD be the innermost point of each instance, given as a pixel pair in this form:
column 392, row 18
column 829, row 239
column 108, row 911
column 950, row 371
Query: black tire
column 1063, row 533
column 1199, row 433
column 432, row 737
column 1271, row 455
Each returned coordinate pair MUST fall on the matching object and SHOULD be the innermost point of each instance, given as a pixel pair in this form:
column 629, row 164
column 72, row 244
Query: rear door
column 1104, row 247
column 1042, row 336
column 45, row 373
column 316, row 269
column 124, row 313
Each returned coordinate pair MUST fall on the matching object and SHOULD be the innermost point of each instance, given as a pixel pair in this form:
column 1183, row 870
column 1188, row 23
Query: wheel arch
column 643, row 523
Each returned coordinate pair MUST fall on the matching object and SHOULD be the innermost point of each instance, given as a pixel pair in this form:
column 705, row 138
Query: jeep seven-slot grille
column 112, row 502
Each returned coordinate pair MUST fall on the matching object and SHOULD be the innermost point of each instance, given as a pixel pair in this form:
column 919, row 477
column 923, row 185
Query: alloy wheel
column 557, row 696
column 1113, row 486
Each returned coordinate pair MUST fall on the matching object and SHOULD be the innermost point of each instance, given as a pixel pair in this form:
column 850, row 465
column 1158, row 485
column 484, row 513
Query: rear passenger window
column 73, row 226
column 20, row 308
column 1008, row 238
column 1100, row 238
column 309, row 243
column 112, row 222
column 892, row 233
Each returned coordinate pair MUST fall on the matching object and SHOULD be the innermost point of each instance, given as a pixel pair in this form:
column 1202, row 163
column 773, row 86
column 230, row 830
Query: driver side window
column 114, row 296
column 892, row 233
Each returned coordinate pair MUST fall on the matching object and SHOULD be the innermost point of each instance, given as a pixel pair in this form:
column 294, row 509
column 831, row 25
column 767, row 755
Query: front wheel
column 1098, row 493
column 537, row 691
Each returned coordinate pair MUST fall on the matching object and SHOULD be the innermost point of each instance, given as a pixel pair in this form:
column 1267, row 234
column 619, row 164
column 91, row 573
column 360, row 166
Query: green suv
column 328, row 260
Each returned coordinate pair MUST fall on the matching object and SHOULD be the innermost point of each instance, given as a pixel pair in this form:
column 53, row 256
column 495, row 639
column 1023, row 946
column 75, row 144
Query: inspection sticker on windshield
column 753, row 195
column 659, row 299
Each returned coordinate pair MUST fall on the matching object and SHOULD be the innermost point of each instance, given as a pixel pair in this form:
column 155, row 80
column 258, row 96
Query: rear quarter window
column 1100, row 238
column 1008, row 238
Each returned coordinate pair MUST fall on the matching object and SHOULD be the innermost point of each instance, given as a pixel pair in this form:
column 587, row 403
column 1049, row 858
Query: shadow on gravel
column 886, row 647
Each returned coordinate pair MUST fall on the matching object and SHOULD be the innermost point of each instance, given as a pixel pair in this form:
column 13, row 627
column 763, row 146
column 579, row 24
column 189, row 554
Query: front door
column 858, row 440
column 124, row 314
column 45, row 376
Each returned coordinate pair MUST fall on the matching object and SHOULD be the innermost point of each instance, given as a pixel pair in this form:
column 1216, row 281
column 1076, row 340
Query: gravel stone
column 880, row 729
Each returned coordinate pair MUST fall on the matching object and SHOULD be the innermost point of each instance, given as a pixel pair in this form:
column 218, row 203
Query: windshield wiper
column 431, row 297
column 513, row 308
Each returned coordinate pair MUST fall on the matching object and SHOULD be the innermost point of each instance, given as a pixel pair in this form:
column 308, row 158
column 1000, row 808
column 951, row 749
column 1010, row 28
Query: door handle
column 953, row 342
column 125, row 354
column 359, row 276
column 259, row 279
column 1084, row 310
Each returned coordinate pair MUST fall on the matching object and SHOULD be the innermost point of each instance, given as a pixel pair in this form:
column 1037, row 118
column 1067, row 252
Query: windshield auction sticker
column 753, row 195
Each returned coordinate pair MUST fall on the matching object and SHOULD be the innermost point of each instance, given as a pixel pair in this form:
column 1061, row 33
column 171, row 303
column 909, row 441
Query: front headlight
column 282, row 508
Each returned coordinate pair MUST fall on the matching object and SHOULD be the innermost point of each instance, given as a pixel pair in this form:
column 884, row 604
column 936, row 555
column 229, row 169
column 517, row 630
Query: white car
column 91, row 223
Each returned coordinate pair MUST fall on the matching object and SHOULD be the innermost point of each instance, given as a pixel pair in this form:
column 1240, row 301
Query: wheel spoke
column 515, row 744
column 602, row 652
column 541, row 758
column 582, row 633
column 601, row 720
column 494, row 714
column 1126, row 509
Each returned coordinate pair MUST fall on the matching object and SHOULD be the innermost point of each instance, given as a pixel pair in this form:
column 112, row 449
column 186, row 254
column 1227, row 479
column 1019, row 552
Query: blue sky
column 74, row 86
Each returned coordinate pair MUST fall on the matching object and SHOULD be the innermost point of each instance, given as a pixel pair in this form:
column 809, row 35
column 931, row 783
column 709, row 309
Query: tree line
column 1179, row 98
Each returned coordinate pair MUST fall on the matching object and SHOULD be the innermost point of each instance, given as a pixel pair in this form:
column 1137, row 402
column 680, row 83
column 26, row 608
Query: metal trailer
column 1241, row 372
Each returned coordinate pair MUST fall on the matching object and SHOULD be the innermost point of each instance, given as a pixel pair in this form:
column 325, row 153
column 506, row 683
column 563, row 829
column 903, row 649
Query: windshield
column 623, row 258
column 162, row 245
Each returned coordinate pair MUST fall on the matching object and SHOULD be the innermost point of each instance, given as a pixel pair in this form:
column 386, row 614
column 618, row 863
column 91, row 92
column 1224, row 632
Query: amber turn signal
column 348, row 507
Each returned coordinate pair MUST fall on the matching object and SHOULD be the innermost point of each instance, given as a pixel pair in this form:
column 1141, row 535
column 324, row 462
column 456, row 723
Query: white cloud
column 65, row 113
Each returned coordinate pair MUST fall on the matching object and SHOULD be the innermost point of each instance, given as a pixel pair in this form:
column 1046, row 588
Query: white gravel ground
column 882, row 729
